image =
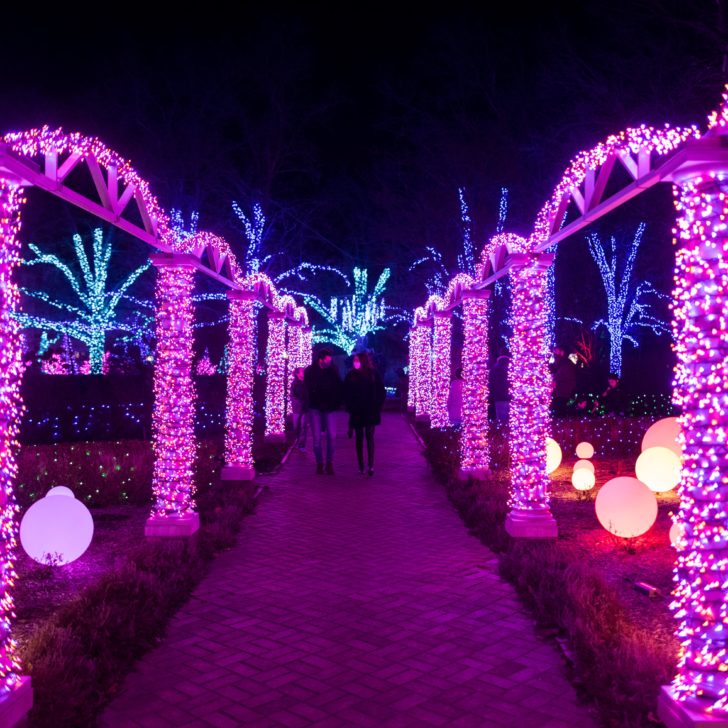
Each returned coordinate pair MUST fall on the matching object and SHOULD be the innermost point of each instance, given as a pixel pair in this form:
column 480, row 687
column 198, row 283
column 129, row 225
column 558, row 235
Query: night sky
column 355, row 125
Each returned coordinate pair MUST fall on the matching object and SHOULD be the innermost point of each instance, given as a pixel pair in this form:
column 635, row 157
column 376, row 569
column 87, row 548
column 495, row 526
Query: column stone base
column 16, row 704
column 276, row 437
column 237, row 473
column 475, row 474
column 675, row 714
column 172, row 526
column 531, row 524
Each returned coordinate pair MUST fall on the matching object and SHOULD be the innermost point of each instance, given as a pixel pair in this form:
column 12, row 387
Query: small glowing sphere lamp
column 626, row 507
column 663, row 433
column 56, row 529
column 658, row 468
column 553, row 455
column 584, row 464
column 585, row 450
column 583, row 479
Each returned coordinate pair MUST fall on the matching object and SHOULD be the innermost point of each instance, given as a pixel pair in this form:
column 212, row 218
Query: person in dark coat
column 324, row 389
column 364, row 395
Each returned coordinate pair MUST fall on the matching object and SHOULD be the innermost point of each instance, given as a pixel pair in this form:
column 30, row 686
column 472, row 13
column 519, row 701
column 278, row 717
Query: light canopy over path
column 352, row 601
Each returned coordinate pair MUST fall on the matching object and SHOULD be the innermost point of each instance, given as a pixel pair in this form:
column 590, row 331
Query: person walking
column 324, row 389
column 299, row 408
column 364, row 395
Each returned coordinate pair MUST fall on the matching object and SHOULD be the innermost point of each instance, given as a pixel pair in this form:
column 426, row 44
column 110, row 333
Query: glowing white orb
column 663, row 434
column 658, row 468
column 626, row 507
column 553, row 455
column 56, row 530
column 60, row 490
column 584, row 450
column 583, row 479
column 584, row 464
column 677, row 535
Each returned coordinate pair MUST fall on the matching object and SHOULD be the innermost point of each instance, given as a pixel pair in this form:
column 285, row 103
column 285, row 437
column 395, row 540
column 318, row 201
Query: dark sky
column 355, row 125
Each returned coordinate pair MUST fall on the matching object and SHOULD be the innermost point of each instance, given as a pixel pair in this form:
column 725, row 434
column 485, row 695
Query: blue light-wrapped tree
column 630, row 305
column 93, row 313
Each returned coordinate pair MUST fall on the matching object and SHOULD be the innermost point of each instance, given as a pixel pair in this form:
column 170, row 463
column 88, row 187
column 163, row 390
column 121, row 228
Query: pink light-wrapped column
column 239, row 411
column 699, row 692
column 275, row 425
column 173, row 420
column 474, row 451
column 423, row 361
column 529, row 380
column 441, row 344
column 16, row 697
column 293, row 360
column 306, row 355
column 412, row 367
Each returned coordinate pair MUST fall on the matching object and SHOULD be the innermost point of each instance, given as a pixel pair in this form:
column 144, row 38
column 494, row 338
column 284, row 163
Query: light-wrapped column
column 294, row 358
column 412, row 368
column 699, row 690
column 15, row 693
column 173, row 419
column 474, row 451
column 239, row 410
column 306, row 355
column 423, row 360
column 441, row 369
column 529, row 382
column 275, row 426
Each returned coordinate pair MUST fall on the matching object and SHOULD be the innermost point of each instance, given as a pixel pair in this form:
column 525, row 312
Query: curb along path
column 352, row 601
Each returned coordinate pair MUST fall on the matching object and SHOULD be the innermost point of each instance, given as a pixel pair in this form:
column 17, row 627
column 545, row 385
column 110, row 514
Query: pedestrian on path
column 364, row 395
column 299, row 407
column 324, row 389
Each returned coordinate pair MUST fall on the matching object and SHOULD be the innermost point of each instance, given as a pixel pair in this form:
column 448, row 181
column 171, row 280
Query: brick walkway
column 352, row 602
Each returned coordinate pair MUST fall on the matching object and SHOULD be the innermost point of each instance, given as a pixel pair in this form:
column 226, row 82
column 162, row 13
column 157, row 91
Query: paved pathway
column 351, row 601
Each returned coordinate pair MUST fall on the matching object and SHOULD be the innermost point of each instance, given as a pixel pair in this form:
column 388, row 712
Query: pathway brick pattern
column 352, row 601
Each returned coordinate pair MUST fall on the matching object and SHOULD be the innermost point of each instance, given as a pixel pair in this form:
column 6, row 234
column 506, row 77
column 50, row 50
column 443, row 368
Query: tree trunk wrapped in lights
column 441, row 344
column 239, row 463
column 15, row 694
column 474, row 451
column 530, row 398
column 275, row 426
column 173, row 421
column 701, row 386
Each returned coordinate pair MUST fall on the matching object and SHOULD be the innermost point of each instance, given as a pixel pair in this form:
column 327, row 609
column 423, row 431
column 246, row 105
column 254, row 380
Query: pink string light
column 474, row 450
column 173, row 428
column 11, row 409
column 441, row 342
column 275, row 378
column 239, row 403
column 701, row 391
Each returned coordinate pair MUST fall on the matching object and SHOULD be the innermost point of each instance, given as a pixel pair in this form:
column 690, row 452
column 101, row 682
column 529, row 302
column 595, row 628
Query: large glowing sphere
column 658, row 468
column 663, row 434
column 677, row 535
column 60, row 490
column 626, row 507
column 56, row 530
column 584, row 450
column 585, row 464
column 553, row 455
column 583, row 479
